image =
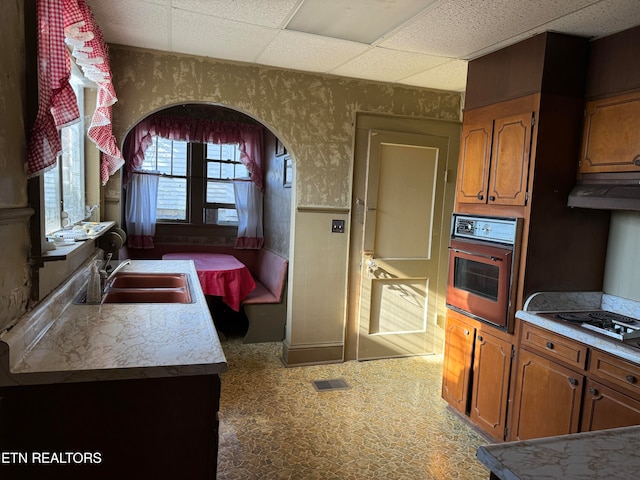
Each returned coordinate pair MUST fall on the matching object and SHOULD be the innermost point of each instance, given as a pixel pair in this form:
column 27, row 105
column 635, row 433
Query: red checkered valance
column 73, row 22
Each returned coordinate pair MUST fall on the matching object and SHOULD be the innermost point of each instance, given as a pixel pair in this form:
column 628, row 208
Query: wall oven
column 482, row 266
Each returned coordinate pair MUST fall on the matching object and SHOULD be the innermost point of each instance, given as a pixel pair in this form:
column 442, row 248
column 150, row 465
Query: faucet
column 105, row 275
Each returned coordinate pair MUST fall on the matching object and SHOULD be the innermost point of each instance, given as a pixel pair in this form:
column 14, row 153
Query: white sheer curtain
column 249, row 208
column 142, row 198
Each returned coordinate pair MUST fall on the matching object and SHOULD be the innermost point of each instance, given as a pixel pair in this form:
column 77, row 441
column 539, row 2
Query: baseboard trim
column 298, row 356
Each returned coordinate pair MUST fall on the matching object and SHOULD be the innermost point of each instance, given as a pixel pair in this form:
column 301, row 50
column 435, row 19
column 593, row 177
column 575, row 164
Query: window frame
column 196, row 191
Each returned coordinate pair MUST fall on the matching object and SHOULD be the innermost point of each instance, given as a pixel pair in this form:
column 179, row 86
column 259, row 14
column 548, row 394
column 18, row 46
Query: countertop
column 613, row 453
column 63, row 342
column 543, row 302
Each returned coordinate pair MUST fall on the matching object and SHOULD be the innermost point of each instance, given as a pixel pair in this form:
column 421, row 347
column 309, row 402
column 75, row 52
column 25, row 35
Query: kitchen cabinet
column 611, row 137
column 144, row 428
column 458, row 352
column 563, row 386
column 494, row 156
column 547, row 398
column 605, row 408
column 491, row 371
column 477, row 365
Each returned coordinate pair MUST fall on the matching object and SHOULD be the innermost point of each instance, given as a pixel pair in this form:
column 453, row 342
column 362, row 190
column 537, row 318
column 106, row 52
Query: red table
column 220, row 275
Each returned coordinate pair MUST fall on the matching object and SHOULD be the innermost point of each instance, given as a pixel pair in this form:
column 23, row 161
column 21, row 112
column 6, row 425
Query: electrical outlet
column 337, row 226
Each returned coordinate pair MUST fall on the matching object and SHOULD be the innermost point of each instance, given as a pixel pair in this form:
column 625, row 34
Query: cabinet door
column 547, row 398
column 611, row 137
column 475, row 155
column 508, row 176
column 458, row 351
column 491, row 370
column 606, row 408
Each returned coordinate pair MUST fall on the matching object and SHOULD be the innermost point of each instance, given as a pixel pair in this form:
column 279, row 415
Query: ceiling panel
column 387, row 65
column 200, row 34
column 314, row 53
column 459, row 29
column 115, row 20
column 428, row 51
column 268, row 13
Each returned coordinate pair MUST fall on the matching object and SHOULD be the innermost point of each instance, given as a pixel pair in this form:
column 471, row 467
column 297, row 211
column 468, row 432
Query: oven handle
column 476, row 254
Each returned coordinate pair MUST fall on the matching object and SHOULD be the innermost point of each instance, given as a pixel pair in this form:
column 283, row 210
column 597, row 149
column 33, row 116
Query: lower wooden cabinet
column 605, row 408
column 477, row 366
column 547, row 398
column 458, row 351
column 491, row 369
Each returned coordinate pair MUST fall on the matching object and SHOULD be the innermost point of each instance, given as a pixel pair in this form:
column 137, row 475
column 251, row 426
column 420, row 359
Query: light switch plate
column 337, row 226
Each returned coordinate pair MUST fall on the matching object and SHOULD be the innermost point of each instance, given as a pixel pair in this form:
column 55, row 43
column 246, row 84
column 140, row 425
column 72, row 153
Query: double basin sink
column 134, row 287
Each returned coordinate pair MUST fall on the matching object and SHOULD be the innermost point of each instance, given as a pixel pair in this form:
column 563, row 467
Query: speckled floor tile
column 391, row 424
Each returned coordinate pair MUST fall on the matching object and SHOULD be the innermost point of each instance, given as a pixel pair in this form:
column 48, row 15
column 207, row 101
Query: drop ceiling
column 421, row 43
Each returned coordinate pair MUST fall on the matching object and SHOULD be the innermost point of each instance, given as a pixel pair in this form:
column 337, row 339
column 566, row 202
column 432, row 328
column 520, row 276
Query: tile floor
column 390, row 424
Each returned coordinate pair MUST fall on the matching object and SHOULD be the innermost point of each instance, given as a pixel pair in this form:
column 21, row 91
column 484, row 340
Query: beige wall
column 14, row 214
column 314, row 116
column 622, row 269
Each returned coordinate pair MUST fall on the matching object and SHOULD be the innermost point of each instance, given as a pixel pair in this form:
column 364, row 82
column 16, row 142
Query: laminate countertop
column 60, row 341
column 613, row 453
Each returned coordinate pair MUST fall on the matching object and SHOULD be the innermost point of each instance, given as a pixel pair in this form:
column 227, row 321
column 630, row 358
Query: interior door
column 401, row 244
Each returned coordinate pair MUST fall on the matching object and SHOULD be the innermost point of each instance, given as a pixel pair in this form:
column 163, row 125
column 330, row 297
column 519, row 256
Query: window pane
column 166, row 156
column 172, row 199
column 220, row 216
column 220, row 192
column 213, row 151
column 52, row 205
column 73, row 172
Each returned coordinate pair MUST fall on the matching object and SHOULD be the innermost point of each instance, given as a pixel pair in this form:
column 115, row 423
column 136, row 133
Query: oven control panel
column 491, row 229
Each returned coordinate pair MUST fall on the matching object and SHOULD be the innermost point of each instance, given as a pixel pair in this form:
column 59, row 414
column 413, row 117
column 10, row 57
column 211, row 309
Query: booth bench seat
column 266, row 306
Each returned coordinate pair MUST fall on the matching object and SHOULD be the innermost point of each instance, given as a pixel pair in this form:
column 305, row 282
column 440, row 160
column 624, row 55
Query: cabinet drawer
column 616, row 371
column 554, row 346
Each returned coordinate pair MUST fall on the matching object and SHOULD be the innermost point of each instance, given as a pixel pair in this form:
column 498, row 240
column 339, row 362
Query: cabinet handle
column 480, row 196
column 466, row 332
column 631, row 379
column 636, row 160
column 492, row 198
column 550, row 345
column 593, row 391
column 479, row 338
column 573, row 382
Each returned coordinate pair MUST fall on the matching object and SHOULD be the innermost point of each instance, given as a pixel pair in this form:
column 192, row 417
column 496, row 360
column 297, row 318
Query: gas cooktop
column 611, row 324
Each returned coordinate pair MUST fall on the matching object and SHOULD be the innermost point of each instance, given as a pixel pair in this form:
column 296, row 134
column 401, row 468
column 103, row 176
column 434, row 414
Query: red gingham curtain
column 72, row 19
column 57, row 101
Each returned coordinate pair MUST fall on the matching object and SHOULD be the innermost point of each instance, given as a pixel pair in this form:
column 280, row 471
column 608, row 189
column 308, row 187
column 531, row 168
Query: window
column 196, row 180
column 64, row 185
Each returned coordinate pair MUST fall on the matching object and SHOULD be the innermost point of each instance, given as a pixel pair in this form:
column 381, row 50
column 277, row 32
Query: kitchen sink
column 136, row 287
column 149, row 280
column 148, row 295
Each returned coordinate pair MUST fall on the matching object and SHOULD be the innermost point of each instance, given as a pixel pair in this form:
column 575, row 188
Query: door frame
column 451, row 129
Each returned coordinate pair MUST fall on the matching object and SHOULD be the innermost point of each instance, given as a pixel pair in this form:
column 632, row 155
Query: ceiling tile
column 313, row 53
column 600, row 19
column 449, row 76
column 200, row 34
column 268, row 13
column 387, row 65
column 116, row 24
column 460, row 29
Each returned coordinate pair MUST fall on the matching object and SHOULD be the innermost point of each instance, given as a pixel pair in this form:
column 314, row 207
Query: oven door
column 479, row 282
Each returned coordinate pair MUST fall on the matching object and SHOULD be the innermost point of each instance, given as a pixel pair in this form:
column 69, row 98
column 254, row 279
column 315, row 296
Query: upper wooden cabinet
column 494, row 158
column 611, row 138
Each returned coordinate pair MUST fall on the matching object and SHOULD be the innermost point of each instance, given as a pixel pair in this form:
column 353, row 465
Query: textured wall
column 14, row 233
column 314, row 117
column 277, row 201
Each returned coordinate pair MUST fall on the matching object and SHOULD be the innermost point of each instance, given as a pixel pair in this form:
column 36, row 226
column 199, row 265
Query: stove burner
column 573, row 317
column 609, row 316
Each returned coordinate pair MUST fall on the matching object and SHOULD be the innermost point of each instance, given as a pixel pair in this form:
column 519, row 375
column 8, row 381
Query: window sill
column 63, row 252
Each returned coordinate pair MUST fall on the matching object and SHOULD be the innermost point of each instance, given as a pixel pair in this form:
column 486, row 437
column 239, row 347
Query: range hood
column 607, row 191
